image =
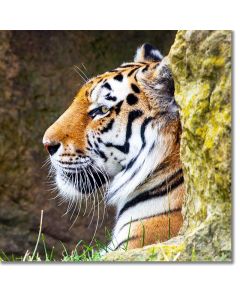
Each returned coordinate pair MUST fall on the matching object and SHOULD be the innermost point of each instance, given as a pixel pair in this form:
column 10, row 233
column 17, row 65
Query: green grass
column 81, row 253
column 86, row 253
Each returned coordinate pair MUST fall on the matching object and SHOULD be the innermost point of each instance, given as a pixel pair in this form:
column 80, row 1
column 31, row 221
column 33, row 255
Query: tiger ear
column 163, row 79
column 147, row 53
column 159, row 84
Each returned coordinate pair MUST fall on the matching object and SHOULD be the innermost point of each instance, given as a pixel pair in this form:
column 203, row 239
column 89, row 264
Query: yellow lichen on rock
column 158, row 252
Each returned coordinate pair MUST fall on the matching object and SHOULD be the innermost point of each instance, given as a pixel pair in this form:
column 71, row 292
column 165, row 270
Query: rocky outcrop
column 37, row 83
column 201, row 66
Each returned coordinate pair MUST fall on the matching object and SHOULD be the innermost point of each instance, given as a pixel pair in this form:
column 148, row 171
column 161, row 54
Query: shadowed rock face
column 37, row 83
column 201, row 66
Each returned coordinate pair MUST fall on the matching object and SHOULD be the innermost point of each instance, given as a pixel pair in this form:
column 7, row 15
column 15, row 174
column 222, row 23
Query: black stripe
column 154, row 192
column 142, row 131
column 163, row 165
column 135, row 88
column 133, row 115
column 118, row 77
column 96, row 145
column 107, row 127
column 107, row 86
column 143, row 128
column 132, row 161
column 102, row 155
column 135, row 76
column 89, row 143
column 111, row 98
column 145, row 68
column 118, row 107
column 126, row 240
column 132, row 71
column 152, row 216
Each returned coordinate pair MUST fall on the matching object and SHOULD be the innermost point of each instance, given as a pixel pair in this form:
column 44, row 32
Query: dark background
column 37, row 83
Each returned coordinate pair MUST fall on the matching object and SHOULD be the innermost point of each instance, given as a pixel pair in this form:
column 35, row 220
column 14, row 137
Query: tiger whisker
column 82, row 73
column 85, row 70
column 84, row 67
column 76, row 70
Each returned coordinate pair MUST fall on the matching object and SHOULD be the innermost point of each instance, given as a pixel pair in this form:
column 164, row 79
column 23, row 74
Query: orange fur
column 156, row 229
column 70, row 128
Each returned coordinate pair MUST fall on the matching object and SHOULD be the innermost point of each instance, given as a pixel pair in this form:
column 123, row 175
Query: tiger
column 123, row 129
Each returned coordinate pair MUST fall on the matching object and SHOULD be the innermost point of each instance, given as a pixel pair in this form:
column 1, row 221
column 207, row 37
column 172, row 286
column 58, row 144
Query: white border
column 109, row 14
column 94, row 281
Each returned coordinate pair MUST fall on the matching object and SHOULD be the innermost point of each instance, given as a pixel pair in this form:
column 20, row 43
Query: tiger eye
column 104, row 109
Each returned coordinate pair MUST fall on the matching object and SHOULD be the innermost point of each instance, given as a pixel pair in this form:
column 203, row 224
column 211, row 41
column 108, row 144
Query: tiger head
column 117, row 129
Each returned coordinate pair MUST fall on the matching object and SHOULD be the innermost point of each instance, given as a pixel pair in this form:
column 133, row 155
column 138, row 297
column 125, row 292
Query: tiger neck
column 148, row 182
column 157, row 194
column 150, row 206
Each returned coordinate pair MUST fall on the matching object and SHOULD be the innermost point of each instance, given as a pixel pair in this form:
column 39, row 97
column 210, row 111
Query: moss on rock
column 201, row 66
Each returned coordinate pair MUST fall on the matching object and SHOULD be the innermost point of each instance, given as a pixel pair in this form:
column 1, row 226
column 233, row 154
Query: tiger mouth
column 85, row 180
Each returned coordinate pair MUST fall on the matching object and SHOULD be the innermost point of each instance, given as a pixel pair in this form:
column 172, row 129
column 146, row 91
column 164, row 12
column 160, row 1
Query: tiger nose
column 52, row 148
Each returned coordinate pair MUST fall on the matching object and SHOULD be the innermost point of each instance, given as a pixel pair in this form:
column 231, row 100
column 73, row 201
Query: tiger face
column 115, row 128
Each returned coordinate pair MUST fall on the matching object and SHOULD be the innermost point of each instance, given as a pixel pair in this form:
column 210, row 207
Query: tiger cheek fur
column 123, row 131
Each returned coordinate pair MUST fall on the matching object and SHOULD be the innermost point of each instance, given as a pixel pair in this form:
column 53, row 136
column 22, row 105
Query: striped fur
column 122, row 131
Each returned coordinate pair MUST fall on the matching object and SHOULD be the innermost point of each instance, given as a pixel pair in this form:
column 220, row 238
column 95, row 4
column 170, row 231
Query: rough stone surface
column 37, row 83
column 201, row 66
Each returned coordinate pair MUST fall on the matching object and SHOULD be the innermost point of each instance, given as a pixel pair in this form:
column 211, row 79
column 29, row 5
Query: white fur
column 147, row 162
column 120, row 90
column 139, row 56
column 156, row 52
column 145, row 209
column 66, row 189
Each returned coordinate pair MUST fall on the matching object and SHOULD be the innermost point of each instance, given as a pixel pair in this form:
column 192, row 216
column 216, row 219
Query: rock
column 37, row 83
column 201, row 66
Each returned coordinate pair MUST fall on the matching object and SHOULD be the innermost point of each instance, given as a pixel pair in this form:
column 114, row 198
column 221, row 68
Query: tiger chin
column 123, row 131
